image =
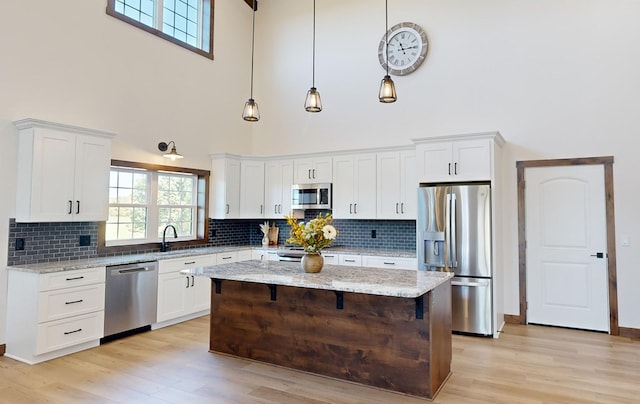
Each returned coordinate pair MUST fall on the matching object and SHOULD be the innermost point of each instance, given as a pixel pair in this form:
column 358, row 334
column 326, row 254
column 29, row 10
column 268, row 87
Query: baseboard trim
column 3, row 349
column 630, row 332
column 512, row 318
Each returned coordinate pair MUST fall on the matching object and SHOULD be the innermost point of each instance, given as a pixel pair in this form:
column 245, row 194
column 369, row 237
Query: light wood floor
column 526, row 365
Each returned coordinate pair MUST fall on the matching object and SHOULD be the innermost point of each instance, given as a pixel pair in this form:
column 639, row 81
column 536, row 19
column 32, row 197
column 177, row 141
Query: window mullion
column 152, row 217
column 159, row 14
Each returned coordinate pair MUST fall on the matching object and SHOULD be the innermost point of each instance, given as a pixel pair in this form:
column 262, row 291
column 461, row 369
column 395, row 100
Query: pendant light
column 387, row 87
column 313, row 103
column 251, row 112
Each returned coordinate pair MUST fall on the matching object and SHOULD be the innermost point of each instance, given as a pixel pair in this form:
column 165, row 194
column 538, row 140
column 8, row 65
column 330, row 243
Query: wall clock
column 408, row 46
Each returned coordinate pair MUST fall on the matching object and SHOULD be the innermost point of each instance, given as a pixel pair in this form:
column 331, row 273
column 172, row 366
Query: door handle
column 598, row 255
column 192, row 280
column 70, row 207
column 397, row 212
column 78, row 208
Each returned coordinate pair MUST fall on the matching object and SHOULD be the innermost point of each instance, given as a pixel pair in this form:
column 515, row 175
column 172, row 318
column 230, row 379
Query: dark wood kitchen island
column 385, row 328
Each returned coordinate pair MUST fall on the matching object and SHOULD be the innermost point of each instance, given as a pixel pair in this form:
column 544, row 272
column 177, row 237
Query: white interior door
column 567, row 282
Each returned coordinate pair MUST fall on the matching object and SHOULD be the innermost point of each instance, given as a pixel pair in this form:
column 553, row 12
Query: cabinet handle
column 397, row 208
column 75, row 301
column 72, row 332
column 78, row 207
column 261, row 206
column 314, row 173
column 389, row 263
column 189, row 263
column 227, row 209
column 449, row 168
column 192, row 280
column 309, row 174
column 76, row 278
column 355, row 208
column 402, row 207
column 275, row 208
column 329, row 256
column 187, row 287
column 280, row 209
column 70, row 207
column 350, row 208
column 226, row 258
column 455, row 168
column 349, row 260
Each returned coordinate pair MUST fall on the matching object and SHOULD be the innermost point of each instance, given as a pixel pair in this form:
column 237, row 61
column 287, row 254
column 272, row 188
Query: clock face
column 406, row 51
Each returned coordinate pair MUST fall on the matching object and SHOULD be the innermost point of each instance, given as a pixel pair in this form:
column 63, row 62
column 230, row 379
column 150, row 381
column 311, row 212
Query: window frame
column 111, row 10
column 202, row 211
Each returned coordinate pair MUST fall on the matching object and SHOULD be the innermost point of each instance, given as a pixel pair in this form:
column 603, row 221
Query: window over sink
column 144, row 199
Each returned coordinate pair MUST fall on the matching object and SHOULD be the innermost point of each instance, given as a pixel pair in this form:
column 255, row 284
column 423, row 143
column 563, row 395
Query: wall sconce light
column 173, row 154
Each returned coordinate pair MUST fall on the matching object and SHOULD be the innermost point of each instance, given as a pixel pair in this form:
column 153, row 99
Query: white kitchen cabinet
column 354, row 186
column 374, row 261
column 55, row 314
column 224, row 195
column 352, row 260
column 397, row 185
column 457, row 158
column 244, row 255
column 261, row 254
column 313, row 170
column 63, row 172
column 331, row 258
column 251, row 189
column 182, row 297
column 278, row 179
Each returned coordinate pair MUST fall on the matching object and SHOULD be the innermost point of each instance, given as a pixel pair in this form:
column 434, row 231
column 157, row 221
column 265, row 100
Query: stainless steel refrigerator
column 454, row 234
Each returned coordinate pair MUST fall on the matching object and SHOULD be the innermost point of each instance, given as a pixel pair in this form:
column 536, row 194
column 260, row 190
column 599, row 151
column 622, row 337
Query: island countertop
column 373, row 281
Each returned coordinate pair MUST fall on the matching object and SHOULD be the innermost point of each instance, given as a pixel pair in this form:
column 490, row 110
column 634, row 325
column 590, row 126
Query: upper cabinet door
column 354, row 186
column 278, row 179
column 63, row 175
column 313, row 170
column 397, row 185
column 93, row 163
column 225, row 188
column 251, row 189
column 455, row 160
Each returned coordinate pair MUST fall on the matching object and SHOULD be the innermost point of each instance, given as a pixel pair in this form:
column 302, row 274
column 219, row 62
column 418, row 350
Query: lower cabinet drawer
column 350, row 260
column 331, row 258
column 389, row 262
column 57, row 304
column 68, row 279
column 67, row 332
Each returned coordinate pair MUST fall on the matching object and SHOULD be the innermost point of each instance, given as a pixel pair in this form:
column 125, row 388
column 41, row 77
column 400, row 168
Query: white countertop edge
column 372, row 281
column 70, row 265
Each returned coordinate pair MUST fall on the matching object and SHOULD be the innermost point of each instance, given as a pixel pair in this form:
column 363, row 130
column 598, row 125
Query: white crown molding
column 29, row 123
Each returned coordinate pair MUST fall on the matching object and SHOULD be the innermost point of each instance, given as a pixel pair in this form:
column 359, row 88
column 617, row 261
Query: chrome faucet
column 163, row 246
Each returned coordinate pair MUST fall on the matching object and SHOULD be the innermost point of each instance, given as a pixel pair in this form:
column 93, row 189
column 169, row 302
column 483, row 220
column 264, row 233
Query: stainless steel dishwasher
column 130, row 298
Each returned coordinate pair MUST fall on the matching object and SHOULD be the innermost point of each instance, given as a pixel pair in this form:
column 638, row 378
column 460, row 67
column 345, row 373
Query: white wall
column 556, row 78
column 68, row 61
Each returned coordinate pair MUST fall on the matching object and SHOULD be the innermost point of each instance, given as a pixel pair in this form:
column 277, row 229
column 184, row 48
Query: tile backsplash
column 46, row 242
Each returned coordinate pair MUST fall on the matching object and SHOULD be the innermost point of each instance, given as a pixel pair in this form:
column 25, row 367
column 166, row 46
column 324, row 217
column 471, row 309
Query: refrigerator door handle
column 452, row 247
column 447, row 231
column 457, row 283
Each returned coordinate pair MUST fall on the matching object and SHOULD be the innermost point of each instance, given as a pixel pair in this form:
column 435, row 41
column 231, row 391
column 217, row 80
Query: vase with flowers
column 312, row 236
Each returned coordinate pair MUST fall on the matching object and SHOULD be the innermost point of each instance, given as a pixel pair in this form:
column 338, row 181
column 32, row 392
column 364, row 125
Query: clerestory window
column 188, row 23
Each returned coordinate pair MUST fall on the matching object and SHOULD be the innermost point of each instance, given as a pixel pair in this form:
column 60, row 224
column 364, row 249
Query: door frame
column 607, row 163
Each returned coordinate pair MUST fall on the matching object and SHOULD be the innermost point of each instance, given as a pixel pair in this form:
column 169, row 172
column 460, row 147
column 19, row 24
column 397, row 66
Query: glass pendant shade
column 387, row 90
column 313, row 103
column 251, row 112
column 173, row 154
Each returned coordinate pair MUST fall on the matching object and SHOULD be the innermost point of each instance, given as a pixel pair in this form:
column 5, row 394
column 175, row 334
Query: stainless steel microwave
column 311, row 196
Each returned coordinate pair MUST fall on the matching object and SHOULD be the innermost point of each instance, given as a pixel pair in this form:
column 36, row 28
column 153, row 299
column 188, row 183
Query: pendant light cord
column 253, row 39
column 313, row 68
column 386, row 27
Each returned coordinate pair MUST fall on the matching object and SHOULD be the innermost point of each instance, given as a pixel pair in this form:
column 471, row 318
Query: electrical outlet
column 85, row 241
column 374, row 234
column 19, row 244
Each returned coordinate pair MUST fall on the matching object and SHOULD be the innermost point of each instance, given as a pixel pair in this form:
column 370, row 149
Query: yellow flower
column 314, row 235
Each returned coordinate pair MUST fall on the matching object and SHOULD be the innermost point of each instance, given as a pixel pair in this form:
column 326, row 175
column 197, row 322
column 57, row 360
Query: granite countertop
column 373, row 281
column 69, row 265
